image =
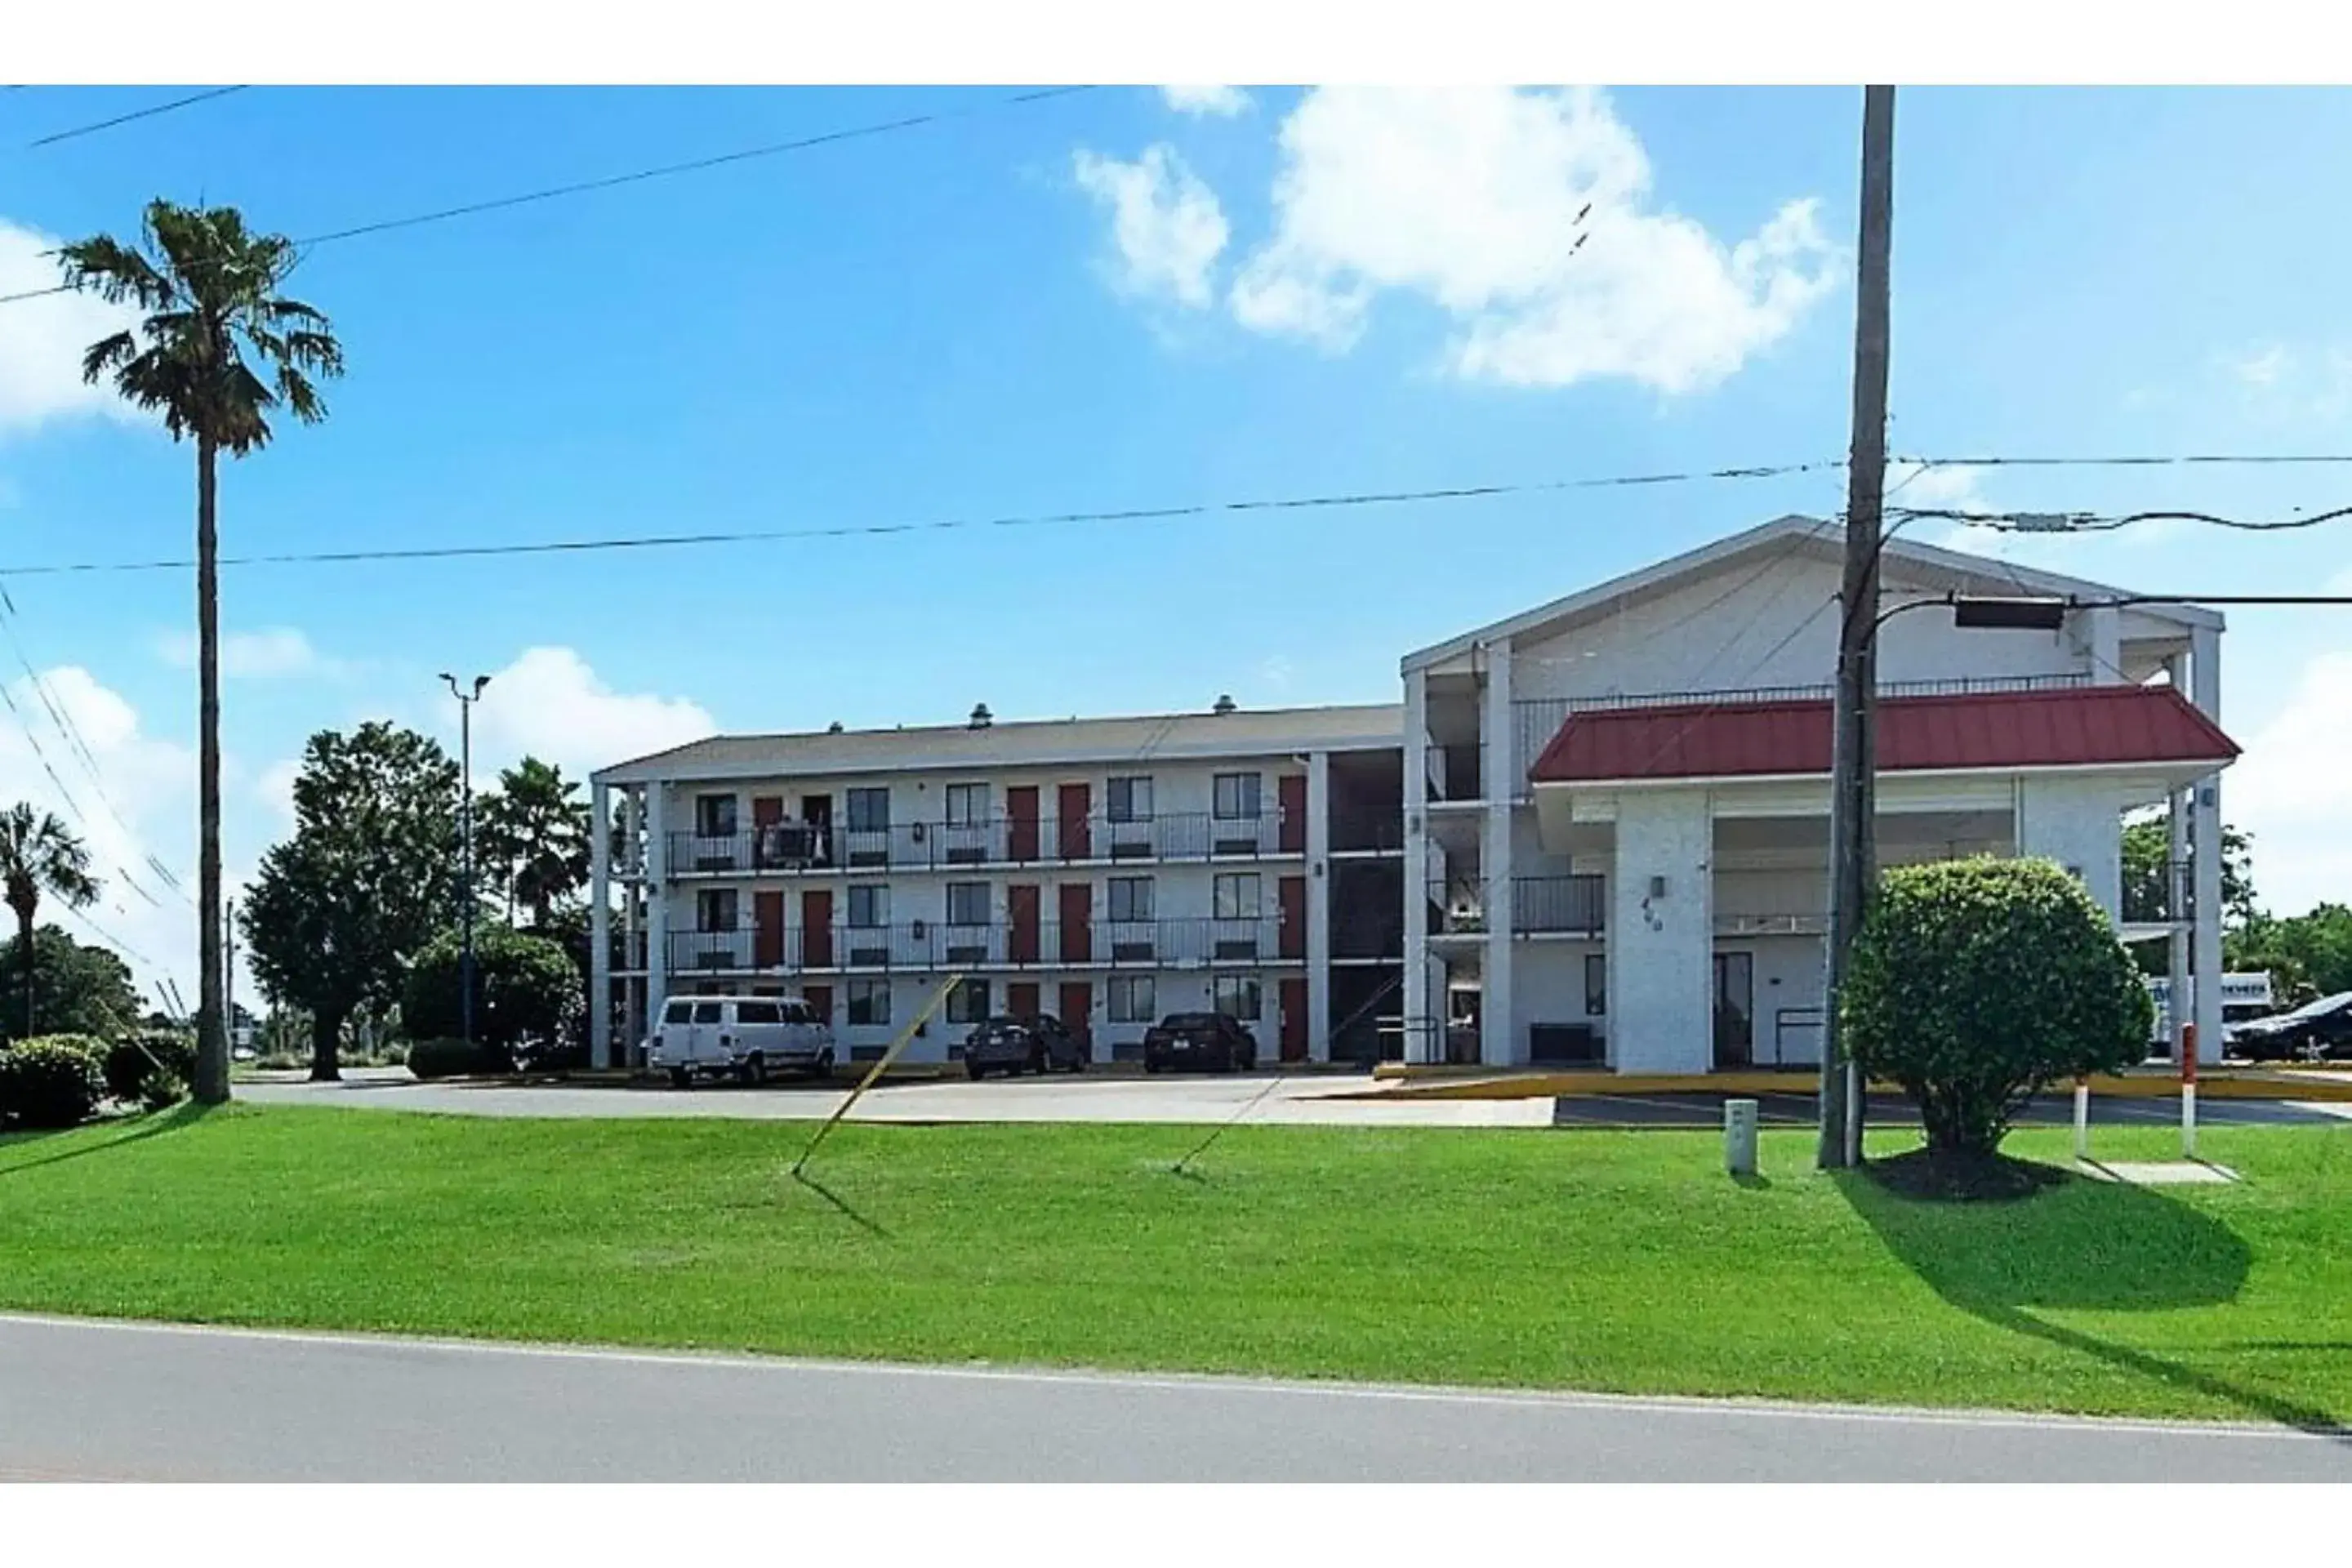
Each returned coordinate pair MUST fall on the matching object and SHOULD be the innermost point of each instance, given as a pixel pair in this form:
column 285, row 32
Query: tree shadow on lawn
column 2079, row 1245
column 185, row 1114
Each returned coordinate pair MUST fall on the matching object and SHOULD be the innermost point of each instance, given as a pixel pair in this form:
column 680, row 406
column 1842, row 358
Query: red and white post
column 2083, row 1120
column 2189, row 1092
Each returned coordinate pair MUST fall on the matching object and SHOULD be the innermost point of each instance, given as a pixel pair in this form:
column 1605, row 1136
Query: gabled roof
column 2086, row 726
column 1823, row 536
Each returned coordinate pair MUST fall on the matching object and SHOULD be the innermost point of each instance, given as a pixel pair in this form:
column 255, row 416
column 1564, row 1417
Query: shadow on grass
column 841, row 1205
column 2080, row 1246
column 185, row 1114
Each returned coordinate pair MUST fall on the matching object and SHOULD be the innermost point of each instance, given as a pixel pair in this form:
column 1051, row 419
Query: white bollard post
column 2188, row 1093
column 1739, row 1137
column 2083, row 1119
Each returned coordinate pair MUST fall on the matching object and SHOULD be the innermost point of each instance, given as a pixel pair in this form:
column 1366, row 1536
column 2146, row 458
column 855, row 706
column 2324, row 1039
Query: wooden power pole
column 1853, row 802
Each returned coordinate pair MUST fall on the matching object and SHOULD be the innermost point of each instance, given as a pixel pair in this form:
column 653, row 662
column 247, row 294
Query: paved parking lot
column 1316, row 1099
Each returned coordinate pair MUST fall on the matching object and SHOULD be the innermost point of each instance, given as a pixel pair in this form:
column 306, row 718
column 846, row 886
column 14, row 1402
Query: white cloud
column 275, row 789
column 1221, row 101
column 2282, row 384
column 1166, row 225
column 2261, row 368
column 550, row 705
column 1528, row 218
column 2292, row 790
column 42, row 339
column 274, row 653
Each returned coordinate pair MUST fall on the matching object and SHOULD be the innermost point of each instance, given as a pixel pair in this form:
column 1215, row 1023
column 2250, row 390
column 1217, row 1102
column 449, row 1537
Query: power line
column 663, row 171
column 134, row 114
column 861, row 531
column 2022, row 521
column 2141, row 462
column 108, row 937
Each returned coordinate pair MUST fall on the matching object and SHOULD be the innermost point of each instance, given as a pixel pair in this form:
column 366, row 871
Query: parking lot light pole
column 466, row 846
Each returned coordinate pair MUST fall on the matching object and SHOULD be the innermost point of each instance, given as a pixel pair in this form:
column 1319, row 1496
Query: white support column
column 2103, row 642
column 1318, row 906
column 1662, row 933
column 1423, row 1041
column 1500, row 778
column 600, row 926
column 2205, row 939
column 656, row 900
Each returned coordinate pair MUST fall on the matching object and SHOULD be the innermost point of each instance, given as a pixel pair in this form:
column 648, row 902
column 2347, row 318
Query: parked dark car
column 1208, row 1041
column 1015, row 1046
column 2316, row 1029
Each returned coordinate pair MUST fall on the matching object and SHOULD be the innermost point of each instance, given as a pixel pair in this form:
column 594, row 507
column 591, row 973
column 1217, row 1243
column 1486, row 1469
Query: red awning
column 2086, row 726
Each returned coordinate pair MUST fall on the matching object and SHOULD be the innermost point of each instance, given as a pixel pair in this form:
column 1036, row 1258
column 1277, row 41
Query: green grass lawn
column 1597, row 1260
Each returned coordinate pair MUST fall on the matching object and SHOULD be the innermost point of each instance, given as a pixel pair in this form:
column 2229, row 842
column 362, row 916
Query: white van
column 747, row 1036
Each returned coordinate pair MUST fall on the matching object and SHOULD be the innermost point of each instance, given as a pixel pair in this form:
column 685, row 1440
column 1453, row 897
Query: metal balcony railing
column 1574, row 904
column 2170, row 894
column 936, row 947
column 998, row 841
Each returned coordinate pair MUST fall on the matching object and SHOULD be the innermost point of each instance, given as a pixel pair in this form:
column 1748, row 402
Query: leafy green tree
column 528, row 1000
column 38, row 856
column 534, row 828
column 2148, row 847
column 338, row 910
column 1977, row 983
column 83, row 989
column 2307, row 956
column 218, row 351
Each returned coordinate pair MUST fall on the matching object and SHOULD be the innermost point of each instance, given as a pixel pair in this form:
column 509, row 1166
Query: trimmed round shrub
column 136, row 1058
column 163, row 1090
column 528, row 994
column 54, row 1080
column 456, row 1058
column 1976, row 984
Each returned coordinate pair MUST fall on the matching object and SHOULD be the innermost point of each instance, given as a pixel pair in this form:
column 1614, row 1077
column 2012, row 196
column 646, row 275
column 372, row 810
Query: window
column 869, row 905
column 966, row 903
column 1236, row 895
column 1130, row 799
column 968, row 806
column 758, row 1012
column 1131, row 999
column 968, row 1003
column 714, row 815
column 1596, row 984
column 714, row 909
column 679, row 1012
column 1130, row 898
column 708, row 1012
column 1237, row 997
column 1236, row 796
column 869, row 810
column 869, row 1002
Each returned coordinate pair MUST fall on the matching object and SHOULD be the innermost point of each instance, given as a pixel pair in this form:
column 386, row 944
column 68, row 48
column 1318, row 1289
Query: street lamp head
column 481, row 681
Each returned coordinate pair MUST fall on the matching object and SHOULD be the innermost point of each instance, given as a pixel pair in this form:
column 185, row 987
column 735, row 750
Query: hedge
column 51, row 1081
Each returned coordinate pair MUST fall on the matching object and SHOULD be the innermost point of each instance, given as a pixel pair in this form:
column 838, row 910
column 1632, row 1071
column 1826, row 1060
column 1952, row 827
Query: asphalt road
column 86, row 1400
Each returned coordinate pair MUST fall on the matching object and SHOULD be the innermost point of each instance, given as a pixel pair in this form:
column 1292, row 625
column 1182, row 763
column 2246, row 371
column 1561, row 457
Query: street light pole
column 1853, row 795
column 465, row 844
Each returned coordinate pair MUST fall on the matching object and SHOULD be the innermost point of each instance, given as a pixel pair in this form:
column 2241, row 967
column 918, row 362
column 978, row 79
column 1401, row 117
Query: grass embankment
column 1598, row 1260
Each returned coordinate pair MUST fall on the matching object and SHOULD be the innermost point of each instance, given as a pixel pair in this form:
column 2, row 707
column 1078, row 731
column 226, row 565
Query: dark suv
column 1209, row 1041
column 2316, row 1030
column 1013, row 1045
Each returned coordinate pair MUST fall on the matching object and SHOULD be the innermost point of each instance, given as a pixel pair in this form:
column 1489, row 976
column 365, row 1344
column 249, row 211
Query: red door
column 1021, row 821
column 819, row 1000
column 766, row 930
column 1077, row 927
column 816, row 928
column 1294, row 1020
column 1292, row 790
column 1078, row 1010
column 1021, row 998
column 1021, row 905
column 1071, row 806
column 1293, row 917
column 767, row 810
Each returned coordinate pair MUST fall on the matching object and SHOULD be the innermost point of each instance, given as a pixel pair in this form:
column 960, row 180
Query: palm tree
column 38, row 856
column 209, row 290
column 536, row 829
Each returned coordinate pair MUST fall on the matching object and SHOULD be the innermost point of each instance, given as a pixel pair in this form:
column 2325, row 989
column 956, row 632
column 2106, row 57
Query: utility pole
column 465, row 844
column 1854, row 795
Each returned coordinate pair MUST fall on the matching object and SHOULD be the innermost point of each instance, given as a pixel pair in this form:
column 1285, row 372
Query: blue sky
column 1120, row 298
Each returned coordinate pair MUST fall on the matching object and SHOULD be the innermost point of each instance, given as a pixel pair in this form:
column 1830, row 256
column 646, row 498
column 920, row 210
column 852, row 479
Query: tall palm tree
column 37, row 855
column 536, row 828
column 219, row 349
